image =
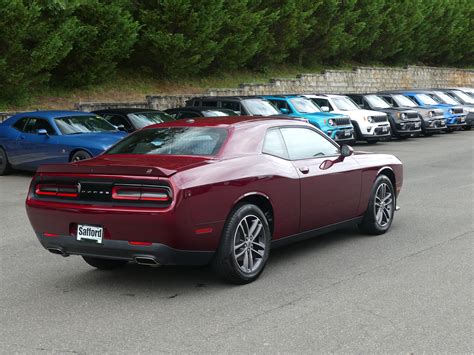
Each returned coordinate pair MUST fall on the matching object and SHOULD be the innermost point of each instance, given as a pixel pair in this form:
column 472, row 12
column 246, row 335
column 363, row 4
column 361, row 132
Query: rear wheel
column 244, row 247
column 104, row 264
column 5, row 167
column 80, row 155
column 379, row 215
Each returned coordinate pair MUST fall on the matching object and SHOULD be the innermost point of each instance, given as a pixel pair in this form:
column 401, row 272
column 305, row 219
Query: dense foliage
column 72, row 43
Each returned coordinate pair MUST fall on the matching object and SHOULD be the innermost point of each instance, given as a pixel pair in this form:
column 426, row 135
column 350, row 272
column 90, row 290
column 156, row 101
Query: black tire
column 80, row 155
column 226, row 261
column 449, row 130
column 104, row 264
column 371, row 223
column 5, row 167
column 371, row 141
column 467, row 127
column 428, row 134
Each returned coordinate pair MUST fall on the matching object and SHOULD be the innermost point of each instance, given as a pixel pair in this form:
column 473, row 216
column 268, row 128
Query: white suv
column 370, row 126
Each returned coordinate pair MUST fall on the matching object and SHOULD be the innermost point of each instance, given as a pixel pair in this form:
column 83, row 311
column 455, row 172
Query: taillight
column 139, row 193
column 57, row 190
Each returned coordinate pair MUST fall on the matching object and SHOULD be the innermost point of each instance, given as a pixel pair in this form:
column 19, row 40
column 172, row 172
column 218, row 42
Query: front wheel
column 244, row 247
column 379, row 215
column 80, row 155
column 104, row 264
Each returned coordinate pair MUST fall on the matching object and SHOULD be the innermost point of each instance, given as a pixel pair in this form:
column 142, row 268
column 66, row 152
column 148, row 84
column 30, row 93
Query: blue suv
column 454, row 116
column 336, row 126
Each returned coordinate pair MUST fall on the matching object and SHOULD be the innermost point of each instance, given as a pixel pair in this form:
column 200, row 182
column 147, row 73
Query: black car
column 194, row 112
column 242, row 105
column 403, row 122
column 432, row 119
column 131, row 119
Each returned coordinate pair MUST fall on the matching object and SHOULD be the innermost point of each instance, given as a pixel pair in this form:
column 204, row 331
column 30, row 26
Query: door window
column 20, row 124
column 231, row 105
column 323, row 102
column 118, row 120
column 304, row 143
column 35, row 124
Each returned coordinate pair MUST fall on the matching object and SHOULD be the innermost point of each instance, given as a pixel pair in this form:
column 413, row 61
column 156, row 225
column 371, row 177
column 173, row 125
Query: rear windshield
column 173, row 141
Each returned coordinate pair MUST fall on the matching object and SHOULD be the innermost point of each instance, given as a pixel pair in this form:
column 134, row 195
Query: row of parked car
column 30, row 139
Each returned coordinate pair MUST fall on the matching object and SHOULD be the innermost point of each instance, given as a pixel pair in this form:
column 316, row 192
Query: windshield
column 303, row 105
column 218, row 113
column 464, row 97
column 172, row 141
column 376, row 101
column 83, row 124
column 258, row 107
column 404, row 101
column 345, row 104
column 425, row 99
column 143, row 119
column 446, row 98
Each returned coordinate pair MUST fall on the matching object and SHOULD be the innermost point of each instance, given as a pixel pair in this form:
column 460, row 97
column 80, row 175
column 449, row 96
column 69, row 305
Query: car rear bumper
column 122, row 250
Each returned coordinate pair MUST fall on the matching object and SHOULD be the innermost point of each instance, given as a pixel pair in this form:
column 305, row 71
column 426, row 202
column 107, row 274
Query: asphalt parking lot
column 410, row 290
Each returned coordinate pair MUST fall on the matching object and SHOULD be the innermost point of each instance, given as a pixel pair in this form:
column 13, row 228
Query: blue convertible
column 30, row 139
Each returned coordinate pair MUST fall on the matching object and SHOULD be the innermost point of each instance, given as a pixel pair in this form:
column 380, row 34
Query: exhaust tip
column 146, row 260
column 58, row 251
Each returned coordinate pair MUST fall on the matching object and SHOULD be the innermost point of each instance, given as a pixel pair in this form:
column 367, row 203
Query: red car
column 220, row 191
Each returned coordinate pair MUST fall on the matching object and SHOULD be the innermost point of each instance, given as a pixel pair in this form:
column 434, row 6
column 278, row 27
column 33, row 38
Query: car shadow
column 171, row 281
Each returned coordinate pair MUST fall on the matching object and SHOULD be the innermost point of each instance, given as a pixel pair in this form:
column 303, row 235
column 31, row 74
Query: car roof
column 199, row 109
column 52, row 114
column 125, row 110
column 228, row 121
column 238, row 98
column 324, row 95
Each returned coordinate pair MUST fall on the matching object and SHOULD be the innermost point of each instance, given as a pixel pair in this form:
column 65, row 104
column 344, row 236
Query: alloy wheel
column 383, row 205
column 249, row 244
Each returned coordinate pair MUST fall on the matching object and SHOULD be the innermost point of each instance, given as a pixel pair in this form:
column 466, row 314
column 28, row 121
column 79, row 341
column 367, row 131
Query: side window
column 358, row 100
column 210, row 103
column 323, row 102
column 304, row 143
column 118, row 120
column 280, row 104
column 231, row 105
column 35, row 124
column 274, row 144
column 188, row 114
column 20, row 124
column 390, row 100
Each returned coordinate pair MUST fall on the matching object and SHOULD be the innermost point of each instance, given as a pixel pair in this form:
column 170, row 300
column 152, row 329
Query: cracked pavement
column 408, row 291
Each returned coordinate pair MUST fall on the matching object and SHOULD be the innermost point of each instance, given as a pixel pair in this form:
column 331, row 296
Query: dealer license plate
column 347, row 133
column 384, row 129
column 90, row 233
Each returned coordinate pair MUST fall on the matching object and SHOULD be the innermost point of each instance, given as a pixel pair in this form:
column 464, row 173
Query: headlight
column 403, row 116
column 370, row 119
column 331, row 122
column 431, row 114
column 451, row 111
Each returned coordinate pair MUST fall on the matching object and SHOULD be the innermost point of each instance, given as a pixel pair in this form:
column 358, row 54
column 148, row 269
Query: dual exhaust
column 140, row 260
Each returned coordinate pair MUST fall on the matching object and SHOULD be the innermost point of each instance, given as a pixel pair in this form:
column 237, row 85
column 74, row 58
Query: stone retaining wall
column 358, row 80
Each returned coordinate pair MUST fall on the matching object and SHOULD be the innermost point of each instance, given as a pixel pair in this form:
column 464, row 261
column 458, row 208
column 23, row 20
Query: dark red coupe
column 219, row 191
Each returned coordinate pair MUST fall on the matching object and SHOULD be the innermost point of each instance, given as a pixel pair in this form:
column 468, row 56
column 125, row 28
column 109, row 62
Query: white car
column 370, row 126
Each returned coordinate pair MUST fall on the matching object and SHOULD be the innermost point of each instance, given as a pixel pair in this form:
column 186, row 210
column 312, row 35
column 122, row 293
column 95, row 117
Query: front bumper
column 434, row 125
column 378, row 133
column 122, row 250
column 408, row 128
column 343, row 135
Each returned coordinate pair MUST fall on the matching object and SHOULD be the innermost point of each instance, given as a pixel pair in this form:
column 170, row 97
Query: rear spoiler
column 74, row 168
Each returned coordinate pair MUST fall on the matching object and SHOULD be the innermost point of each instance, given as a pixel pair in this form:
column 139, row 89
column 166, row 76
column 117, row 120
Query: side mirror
column 285, row 111
column 324, row 108
column 42, row 132
column 346, row 150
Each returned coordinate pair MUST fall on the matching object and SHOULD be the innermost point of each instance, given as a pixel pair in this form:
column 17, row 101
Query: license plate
column 347, row 133
column 90, row 233
column 384, row 129
column 417, row 125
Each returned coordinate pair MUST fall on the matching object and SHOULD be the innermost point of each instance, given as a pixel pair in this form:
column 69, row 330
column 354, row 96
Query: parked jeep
column 243, row 105
column 454, row 116
column 457, row 97
column 336, row 126
column 403, row 122
column 370, row 126
column 432, row 119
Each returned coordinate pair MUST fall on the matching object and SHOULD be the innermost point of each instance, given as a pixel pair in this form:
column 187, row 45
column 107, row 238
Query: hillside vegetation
column 61, row 46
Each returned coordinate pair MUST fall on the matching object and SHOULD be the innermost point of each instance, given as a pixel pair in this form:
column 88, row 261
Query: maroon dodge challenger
column 219, row 191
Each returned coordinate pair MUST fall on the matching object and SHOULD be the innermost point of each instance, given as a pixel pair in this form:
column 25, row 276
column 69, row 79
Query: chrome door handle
column 304, row 170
